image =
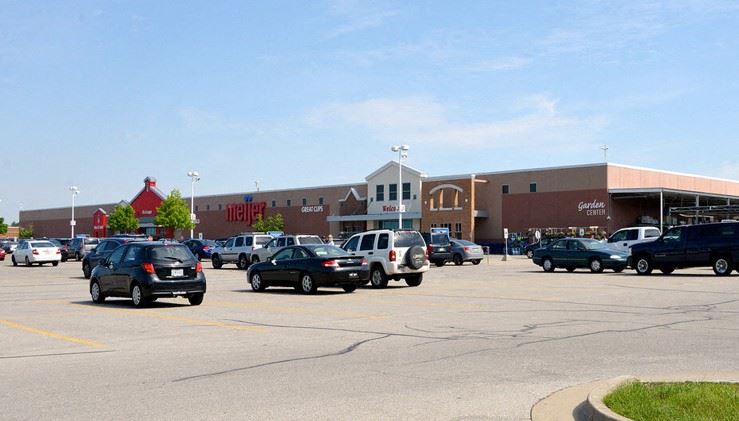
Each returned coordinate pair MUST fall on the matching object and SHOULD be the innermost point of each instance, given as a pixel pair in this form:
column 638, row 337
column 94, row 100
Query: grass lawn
column 676, row 401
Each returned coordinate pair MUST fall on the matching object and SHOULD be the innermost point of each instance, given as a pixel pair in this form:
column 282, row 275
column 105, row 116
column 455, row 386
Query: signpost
column 505, row 236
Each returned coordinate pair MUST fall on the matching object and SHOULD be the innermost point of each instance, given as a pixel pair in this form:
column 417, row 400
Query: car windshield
column 42, row 244
column 465, row 243
column 171, row 253
column 310, row 239
column 408, row 239
column 329, row 251
column 593, row 244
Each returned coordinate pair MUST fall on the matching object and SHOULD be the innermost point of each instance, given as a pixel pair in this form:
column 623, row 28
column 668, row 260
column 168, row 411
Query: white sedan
column 36, row 251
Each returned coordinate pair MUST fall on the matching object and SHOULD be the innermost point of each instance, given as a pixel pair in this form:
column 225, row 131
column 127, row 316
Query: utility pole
column 605, row 153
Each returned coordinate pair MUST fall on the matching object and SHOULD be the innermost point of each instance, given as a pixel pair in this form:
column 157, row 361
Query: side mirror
column 94, row 249
column 274, row 262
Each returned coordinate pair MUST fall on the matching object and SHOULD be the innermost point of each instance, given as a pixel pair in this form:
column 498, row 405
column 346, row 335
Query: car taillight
column 198, row 267
column 330, row 264
column 364, row 261
column 429, row 249
column 34, row 251
column 58, row 251
column 466, row 249
column 392, row 256
column 148, row 268
column 206, row 248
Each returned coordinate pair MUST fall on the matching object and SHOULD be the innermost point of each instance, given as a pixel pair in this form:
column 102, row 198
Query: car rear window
column 329, row 251
column 42, row 244
column 170, row 253
column 408, row 239
column 441, row 239
column 310, row 239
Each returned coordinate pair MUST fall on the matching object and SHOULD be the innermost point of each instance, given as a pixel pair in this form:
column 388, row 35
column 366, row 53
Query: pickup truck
column 713, row 245
column 627, row 237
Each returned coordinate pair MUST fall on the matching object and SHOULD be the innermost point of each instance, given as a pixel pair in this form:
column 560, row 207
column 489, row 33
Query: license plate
column 442, row 249
column 177, row 273
column 353, row 274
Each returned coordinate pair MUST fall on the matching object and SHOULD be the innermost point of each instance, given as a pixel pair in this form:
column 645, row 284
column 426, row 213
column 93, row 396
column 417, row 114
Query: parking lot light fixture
column 402, row 151
column 75, row 191
column 194, row 177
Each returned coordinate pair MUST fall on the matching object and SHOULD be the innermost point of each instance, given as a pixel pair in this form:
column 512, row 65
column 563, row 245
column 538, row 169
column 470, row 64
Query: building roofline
column 705, row 177
column 389, row 165
column 352, row 185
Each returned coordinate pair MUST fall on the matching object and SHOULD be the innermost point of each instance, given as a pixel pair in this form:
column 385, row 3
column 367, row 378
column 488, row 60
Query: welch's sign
column 594, row 208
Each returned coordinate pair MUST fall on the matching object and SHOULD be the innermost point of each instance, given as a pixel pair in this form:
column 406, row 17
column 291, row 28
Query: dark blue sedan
column 573, row 253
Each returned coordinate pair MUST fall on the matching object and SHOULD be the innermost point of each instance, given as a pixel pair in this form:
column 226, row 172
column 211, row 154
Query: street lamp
column 75, row 191
column 194, row 177
column 402, row 151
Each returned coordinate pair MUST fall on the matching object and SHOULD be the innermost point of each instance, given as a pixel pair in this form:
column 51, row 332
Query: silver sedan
column 466, row 251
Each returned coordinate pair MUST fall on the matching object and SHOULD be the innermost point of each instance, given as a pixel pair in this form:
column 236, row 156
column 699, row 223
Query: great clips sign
column 245, row 212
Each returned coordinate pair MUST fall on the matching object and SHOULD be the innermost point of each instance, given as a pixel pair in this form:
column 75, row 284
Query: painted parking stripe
column 59, row 336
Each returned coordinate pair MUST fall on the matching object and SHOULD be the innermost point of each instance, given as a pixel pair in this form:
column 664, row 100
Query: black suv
column 438, row 248
column 100, row 252
column 147, row 270
column 708, row 245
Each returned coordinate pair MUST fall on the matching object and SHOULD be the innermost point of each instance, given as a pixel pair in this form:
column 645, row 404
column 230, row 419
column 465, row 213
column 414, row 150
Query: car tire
column 257, row 283
column 643, row 265
column 530, row 254
column 570, row 269
column 28, row 262
column 216, row 261
column 439, row 263
column 55, row 263
column 667, row 270
column 254, row 260
column 77, row 256
column 547, row 264
column 378, row 279
column 415, row 257
column 415, row 280
column 137, row 296
column 476, row 261
column 596, row 266
column 195, row 299
column 64, row 259
column 86, row 271
column 722, row 266
column 350, row 288
column 458, row 259
column 12, row 259
column 243, row 262
column 307, row 284
column 96, row 293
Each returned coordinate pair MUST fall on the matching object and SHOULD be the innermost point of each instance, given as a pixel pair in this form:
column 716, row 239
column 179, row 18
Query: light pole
column 75, row 191
column 402, row 151
column 194, row 177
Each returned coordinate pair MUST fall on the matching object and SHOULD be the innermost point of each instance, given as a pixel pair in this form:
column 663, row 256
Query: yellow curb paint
column 85, row 342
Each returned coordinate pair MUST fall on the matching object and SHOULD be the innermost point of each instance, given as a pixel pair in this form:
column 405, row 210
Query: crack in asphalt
column 346, row 350
column 58, row 354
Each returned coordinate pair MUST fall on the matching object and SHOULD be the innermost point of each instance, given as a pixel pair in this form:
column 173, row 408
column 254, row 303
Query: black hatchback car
column 100, row 252
column 145, row 271
column 438, row 247
column 308, row 267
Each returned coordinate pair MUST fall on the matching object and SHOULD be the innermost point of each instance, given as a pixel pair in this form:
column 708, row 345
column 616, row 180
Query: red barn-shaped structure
column 145, row 205
column 100, row 223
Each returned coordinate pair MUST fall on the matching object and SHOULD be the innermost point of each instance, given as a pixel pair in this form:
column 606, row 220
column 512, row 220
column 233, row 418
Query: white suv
column 391, row 255
column 277, row 244
column 239, row 249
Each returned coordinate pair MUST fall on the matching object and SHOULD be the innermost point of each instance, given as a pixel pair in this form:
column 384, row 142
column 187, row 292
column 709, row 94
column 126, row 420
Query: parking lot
column 472, row 342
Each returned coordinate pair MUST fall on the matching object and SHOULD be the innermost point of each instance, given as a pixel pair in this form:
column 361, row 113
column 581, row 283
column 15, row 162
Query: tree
column 173, row 213
column 123, row 219
column 271, row 223
column 3, row 226
column 26, row 232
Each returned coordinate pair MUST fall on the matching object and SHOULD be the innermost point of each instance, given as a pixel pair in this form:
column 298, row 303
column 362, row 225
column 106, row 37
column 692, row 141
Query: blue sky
column 293, row 93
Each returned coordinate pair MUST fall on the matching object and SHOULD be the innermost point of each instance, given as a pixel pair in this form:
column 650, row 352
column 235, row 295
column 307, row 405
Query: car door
column 698, row 245
column 671, row 250
column 110, row 278
column 618, row 241
column 102, row 251
column 577, row 254
column 367, row 247
column 133, row 257
column 558, row 251
column 227, row 250
column 21, row 252
column 277, row 271
column 297, row 265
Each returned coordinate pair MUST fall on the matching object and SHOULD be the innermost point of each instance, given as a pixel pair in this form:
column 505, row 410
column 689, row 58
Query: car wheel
column 439, row 263
column 55, row 263
column 414, row 281
column 86, row 270
column 243, row 262
column 216, row 261
column 458, row 259
column 596, row 266
column 254, row 259
column 643, row 266
column 530, row 254
column 307, row 284
column 667, row 270
column 257, row 283
column 64, row 259
column 570, row 269
column 137, row 296
column 350, row 288
column 722, row 266
column 12, row 258
column 378, row 278
column 28, row 262
column 548, row 265
column 95, row 293
column 195, row 299
column 77, row 256
column 476, row 261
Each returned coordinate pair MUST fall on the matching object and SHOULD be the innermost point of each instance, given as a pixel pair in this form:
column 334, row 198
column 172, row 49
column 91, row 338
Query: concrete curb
column 600, row 412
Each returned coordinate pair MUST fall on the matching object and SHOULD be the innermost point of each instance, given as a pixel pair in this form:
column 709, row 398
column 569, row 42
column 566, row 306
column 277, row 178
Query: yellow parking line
column 86, row 342
column 194, row 322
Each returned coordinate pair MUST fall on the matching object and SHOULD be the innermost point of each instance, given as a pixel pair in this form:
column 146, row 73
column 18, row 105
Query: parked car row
column 714, row 245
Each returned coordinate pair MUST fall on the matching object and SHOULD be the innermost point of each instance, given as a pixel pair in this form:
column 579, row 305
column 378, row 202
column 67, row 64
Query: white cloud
column 425, row 120
column 358, row 16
